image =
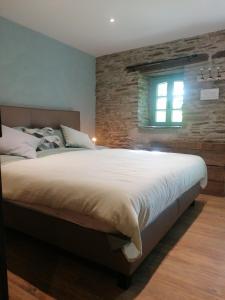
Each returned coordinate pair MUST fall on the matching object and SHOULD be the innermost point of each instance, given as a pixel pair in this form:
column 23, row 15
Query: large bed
column 111, row 206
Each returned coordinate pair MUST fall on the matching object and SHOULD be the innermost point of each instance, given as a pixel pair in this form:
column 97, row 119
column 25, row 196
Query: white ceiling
column 84, row 24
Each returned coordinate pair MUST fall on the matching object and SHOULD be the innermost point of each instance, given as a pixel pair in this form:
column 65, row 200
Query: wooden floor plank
column 188, row 264
column 19, row 289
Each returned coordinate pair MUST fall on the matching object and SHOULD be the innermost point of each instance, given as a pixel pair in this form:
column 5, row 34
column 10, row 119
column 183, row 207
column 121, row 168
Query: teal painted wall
column 38, row 71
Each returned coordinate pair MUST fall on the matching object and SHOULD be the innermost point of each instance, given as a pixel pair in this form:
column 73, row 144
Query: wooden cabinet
column 212, row 153
column 216, row 184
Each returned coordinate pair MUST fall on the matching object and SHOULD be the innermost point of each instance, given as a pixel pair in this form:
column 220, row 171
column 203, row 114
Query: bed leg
column 124, row 281
column 193, row 203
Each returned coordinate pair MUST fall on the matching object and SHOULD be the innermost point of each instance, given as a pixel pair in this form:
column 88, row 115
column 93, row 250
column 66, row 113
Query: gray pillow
column 49, row 140
column 59, row 133
column 14, row 142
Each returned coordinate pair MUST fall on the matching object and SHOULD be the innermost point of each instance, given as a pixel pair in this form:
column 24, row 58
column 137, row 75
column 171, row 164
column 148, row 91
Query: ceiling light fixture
column 112, row 20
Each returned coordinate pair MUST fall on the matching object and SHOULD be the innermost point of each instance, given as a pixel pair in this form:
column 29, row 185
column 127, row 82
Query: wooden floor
column 189, row 263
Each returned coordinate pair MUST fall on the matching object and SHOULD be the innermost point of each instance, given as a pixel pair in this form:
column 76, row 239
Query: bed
column 111, row 206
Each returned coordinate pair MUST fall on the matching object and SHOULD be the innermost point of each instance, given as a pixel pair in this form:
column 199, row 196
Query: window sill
column 156, row 127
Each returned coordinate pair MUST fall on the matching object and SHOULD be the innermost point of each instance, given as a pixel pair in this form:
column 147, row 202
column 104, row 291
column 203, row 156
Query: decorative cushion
column 14, row 142
column 59, row 133
column 49, row 140
column 77, row 139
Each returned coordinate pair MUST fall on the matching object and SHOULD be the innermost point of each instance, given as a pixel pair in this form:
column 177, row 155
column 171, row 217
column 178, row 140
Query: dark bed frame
column 107, row 248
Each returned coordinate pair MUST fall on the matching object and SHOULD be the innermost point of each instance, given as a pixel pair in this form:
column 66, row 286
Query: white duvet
column 127, row 189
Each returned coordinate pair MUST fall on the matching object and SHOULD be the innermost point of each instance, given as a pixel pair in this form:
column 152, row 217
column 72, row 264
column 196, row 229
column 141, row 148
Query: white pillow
column 75, row 138
column 14, row 142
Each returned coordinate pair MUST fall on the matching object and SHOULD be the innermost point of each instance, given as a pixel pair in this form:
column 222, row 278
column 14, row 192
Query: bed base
column 99, row 247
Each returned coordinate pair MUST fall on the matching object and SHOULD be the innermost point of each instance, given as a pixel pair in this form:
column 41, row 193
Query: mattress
column 125, row 189
column 68, row 215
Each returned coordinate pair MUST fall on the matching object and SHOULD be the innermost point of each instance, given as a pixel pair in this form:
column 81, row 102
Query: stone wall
column 122, row 97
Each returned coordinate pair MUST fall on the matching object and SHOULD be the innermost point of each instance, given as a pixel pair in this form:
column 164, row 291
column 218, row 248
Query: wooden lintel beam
column 219, row 54
column 170, row 63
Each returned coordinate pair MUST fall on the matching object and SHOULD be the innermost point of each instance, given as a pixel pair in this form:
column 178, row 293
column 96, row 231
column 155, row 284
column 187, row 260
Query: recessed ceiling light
column 112, row 20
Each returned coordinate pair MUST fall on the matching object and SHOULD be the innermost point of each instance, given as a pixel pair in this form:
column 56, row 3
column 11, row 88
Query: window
column 166, row 100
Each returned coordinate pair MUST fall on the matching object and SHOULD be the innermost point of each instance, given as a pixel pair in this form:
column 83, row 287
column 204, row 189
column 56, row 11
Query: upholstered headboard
column 38, row 118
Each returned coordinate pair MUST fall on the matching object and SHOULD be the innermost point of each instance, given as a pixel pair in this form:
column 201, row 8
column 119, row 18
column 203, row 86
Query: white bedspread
column 127, row 189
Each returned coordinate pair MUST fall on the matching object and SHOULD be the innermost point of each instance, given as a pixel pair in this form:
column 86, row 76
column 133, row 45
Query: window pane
column 161, row 103
column 177, row 102
column 178, row 88
column 160, row 116
column 177, row 116
column 162, row 89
